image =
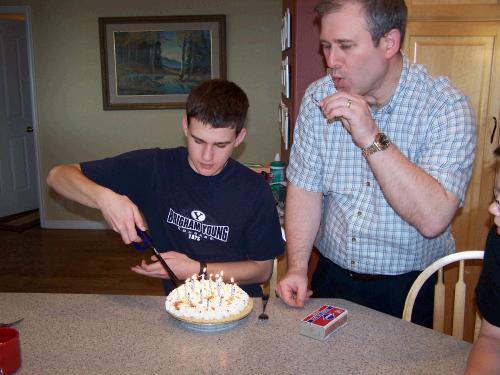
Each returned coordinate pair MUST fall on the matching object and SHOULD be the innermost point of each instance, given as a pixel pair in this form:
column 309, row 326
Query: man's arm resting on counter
column 415, row 195
column 484, row 357
column 302, row 219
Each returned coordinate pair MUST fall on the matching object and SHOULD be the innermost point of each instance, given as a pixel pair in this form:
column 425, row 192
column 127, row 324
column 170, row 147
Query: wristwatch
column 380, row 144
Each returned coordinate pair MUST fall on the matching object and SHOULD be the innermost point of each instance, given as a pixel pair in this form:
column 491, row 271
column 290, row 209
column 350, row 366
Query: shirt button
column 354, row 239
column 360, row 213
column 353, row 262
column 368, row 183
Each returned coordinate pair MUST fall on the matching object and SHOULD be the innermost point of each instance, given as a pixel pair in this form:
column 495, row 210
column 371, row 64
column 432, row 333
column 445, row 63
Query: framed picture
column 154, row 62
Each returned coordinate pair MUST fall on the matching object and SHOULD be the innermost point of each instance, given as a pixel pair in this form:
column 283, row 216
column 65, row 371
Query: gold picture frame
column 153, row 62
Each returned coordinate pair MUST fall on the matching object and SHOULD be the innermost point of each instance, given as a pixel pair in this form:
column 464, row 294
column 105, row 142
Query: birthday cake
column 207, row 301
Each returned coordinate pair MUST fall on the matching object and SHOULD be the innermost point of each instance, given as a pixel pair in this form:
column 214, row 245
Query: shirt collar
column 388, row 108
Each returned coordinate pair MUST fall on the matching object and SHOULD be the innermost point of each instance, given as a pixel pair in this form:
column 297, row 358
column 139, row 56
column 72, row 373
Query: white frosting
column 206, row 300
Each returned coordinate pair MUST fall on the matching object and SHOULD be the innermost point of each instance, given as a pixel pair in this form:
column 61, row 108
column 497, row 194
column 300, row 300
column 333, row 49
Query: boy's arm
column 243, row 272
column 119, row 212
column 485, row 354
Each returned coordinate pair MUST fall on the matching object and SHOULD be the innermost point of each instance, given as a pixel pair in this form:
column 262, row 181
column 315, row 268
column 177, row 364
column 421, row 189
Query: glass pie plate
column 215, row 325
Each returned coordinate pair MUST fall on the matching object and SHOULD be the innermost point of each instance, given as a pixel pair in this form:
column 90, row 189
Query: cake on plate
column 205, row 301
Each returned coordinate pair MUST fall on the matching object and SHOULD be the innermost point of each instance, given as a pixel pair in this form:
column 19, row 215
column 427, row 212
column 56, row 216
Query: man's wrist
column 381, row 143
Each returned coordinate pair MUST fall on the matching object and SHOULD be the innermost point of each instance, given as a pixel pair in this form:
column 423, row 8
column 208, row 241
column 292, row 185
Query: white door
column 18, row 173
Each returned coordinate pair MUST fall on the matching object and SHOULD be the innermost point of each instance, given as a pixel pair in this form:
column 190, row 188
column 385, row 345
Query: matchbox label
column 324, row 315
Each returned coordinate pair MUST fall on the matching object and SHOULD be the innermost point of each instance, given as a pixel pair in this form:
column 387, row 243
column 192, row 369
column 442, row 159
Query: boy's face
column 209, row 148
column 495, row 205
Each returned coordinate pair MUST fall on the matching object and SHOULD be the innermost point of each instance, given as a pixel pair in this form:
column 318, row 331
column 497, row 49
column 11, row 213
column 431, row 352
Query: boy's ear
column 185, row 125
column 240, row 137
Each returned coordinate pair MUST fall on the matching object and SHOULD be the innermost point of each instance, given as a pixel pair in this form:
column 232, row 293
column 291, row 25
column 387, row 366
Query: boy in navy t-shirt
column 485, row 354
column 202, row 208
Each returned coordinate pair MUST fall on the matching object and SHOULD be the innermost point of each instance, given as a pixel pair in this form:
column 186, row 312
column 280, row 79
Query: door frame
column 26, row 11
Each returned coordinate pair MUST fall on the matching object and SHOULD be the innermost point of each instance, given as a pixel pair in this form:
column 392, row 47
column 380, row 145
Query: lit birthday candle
column 217, row 278
column 232, row 288
column 203, row 273
column 192, row 282
column 221, row 298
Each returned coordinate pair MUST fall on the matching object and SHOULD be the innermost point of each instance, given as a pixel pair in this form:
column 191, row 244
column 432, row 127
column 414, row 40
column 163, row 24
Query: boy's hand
column 121, row 214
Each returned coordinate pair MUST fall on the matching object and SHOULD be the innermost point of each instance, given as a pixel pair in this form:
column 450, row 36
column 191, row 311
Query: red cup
column 10, row 350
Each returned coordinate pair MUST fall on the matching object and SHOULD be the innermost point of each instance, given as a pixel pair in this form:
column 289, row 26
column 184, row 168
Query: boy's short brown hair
column 218, row 103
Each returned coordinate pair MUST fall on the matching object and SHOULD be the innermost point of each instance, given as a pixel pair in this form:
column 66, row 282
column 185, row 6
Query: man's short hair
column 381, row 16
column 218, row 103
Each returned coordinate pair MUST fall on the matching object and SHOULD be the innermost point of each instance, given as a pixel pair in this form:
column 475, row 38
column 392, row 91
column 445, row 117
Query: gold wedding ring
column 349, row 102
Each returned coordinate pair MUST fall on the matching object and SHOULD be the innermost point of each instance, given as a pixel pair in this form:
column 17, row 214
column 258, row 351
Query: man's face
column 358, row 67
column 209, row 148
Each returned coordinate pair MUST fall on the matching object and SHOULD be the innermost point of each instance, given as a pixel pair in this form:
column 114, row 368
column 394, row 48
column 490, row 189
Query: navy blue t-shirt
column 227, row 217
column 488, row 287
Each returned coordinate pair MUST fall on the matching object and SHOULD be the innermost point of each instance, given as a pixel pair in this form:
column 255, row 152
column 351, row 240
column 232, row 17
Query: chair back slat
column 477, row 326
column 459, row 304
column 438, row 318
column 439, row 291
column 274, row 278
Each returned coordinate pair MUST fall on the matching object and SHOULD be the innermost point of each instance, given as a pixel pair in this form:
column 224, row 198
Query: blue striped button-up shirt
column 433, row 125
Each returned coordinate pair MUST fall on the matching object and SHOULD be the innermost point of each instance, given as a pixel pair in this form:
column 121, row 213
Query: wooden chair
column 439, row 293
column 270, row 285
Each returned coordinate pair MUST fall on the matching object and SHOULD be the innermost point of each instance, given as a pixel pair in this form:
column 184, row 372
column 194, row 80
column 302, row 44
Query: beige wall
column 71, row 122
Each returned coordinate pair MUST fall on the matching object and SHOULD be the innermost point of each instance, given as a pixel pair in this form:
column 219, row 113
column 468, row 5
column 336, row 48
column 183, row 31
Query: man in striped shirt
column 381, row 160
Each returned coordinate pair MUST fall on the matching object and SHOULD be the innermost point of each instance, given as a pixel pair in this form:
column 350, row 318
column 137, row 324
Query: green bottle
column 277, row 169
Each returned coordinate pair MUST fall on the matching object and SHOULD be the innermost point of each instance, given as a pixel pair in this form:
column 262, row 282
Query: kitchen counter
column 110, row 334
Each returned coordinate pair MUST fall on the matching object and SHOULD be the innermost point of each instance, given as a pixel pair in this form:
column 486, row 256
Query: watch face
column 381, row 143
column 383, row 140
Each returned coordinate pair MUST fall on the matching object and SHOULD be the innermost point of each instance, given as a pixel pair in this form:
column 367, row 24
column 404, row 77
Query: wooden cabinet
column 454, row 9
column 468, row 53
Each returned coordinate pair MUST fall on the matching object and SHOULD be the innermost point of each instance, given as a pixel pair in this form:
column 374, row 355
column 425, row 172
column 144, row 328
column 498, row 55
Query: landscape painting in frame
column 154, row 62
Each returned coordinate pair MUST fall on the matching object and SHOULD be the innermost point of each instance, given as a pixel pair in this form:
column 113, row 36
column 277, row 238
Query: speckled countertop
column 107, row 334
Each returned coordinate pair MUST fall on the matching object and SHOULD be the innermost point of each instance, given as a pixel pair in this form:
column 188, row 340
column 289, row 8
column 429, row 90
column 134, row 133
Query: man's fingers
column 300, row 298
column 288, row 295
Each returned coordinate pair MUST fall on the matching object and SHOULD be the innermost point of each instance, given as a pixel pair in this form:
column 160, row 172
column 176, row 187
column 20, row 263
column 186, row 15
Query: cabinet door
column 468, row 53
column 454, row 9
